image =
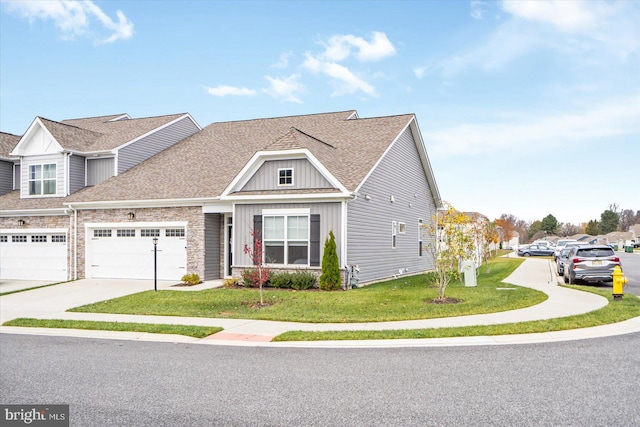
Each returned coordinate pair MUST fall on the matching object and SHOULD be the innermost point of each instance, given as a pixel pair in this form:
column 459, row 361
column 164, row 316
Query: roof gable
column 37, row 140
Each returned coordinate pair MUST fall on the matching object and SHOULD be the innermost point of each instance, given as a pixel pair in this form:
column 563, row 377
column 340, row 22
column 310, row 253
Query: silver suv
column 590, row 263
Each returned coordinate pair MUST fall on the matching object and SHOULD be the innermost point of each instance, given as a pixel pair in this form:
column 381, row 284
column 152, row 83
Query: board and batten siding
column 16, row 176
column 154, row 143
column 330, row 219
column 212, row 245
column 6, row 177
column 400, row 176
column 76, row 173
column 305, row 176
column 99, row 170
column 45, row 159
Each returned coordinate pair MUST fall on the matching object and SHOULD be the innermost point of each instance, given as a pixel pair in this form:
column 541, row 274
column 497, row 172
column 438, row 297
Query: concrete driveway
column 50, row 300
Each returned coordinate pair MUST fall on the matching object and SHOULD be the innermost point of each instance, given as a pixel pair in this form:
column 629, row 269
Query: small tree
column 256, row 255
column 330, row 277
column 453, row 243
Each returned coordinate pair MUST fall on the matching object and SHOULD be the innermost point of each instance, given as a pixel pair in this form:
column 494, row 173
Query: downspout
column 345, row 215
column 75, row 242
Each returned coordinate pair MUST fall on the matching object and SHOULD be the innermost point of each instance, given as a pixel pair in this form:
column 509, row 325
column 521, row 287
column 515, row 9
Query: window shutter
column 314, row 240
column 257, row 235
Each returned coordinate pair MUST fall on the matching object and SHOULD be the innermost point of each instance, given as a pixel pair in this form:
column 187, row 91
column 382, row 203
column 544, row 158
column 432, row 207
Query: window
column 101, row 233
column 38, row 239
column 285, row 176
column 174, row 232
column 4, row 239
column 42, row 179
column 402, row 227
column 19, row 239
column 394, row 234
column 127, row 232
column 150, row 232
column 59, row 238
column 286, row 239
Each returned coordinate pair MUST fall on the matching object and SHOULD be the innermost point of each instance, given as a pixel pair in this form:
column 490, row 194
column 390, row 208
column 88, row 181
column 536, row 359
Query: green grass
column 400, row 299
column 190, row 331
column 615, row 311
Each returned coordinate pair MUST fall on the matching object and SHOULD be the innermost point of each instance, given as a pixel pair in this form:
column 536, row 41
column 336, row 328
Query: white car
column 560, row 244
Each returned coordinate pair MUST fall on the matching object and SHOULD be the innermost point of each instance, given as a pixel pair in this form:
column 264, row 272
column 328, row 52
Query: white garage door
column 33, row 254
column 125, row 252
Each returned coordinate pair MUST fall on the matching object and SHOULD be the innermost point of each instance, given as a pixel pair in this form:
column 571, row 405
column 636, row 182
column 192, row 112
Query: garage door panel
column 131, row 257
column 26, row 259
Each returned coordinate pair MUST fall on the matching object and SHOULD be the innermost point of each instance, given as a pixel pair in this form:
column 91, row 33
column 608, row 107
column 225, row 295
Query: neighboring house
column 54, row 160
column 293, row 179
column 9, row 165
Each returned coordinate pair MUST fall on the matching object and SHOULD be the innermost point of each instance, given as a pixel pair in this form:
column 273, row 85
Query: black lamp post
column 155, row 263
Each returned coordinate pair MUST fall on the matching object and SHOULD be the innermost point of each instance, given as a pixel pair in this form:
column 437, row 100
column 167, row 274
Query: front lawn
column 400, row 299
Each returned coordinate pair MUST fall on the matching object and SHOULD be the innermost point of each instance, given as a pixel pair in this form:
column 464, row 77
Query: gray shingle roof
column 7, row 142
column 204, row 164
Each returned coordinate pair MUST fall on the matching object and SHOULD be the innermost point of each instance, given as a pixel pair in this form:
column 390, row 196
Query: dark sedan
column 536, row 250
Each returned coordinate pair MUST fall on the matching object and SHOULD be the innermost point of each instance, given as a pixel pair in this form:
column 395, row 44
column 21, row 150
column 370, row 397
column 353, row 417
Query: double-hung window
column 42, row 179
column 286, row 239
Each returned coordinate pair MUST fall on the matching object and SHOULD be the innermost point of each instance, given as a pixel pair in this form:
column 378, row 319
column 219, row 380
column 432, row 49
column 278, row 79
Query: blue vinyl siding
column 6, row 177
column 369, row 222
column 151, row 145
column 76, row 173
column 305, row 176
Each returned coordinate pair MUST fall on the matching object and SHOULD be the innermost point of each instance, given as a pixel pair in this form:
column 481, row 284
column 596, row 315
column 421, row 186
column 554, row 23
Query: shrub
column 302, row 280
column 280, row 280
column 231, row 283
column 191, row 279
column 330, row 278
column 250, row 277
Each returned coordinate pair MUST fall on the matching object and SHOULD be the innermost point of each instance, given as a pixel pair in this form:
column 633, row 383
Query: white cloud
column 285, row 89
column 284, row 60
column 478, row 9
column 345, row 81
column 339, row 47
column 532, row 133
column 419, row 71
column 567, row 16
column 73, row 18
column 230, row 90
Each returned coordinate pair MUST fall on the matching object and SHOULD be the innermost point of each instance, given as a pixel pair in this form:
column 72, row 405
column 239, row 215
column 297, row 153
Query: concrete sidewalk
column 51, row 303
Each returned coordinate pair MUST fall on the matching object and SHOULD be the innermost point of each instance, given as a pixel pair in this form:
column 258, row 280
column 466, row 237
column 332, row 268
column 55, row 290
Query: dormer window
column 42, row 179
column 285, row 176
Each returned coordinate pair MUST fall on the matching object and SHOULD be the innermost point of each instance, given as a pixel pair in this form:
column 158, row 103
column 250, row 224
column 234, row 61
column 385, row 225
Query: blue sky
column 527, row 108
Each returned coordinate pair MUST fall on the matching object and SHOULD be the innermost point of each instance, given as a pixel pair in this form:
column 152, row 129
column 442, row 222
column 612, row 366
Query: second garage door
column 124, row 252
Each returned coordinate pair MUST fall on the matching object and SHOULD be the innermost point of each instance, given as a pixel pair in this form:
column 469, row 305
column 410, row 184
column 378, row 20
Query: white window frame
column 286, row 240
column 402, row 228
column 285, row 177
column 42, row 180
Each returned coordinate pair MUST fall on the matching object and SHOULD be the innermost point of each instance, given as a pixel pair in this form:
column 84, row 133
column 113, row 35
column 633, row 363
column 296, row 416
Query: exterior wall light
column 131, row 216
column 21, row 222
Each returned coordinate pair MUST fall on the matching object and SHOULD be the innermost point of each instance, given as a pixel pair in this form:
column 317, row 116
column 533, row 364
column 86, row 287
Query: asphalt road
column 580, row 383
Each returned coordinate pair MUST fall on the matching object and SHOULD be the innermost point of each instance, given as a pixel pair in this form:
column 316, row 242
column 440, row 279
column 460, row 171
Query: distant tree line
column 612, row 219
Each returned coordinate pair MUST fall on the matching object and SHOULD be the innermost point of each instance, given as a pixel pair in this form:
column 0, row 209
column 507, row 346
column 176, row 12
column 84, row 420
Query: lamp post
column 155, row 263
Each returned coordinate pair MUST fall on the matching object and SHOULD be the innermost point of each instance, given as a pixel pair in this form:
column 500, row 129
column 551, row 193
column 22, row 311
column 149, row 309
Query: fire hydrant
column 618, row 282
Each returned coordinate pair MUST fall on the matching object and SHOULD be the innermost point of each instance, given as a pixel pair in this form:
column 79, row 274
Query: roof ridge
column 72, row 126
column 283, row 117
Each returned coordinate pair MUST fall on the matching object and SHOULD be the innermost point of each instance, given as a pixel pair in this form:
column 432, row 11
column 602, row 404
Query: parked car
column 636, row 245
column 561, row 259
column 590, row 263
column 535, row 250
column 560, row 244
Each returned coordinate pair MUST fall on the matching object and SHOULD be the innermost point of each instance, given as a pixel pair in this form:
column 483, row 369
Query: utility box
column 469, row 271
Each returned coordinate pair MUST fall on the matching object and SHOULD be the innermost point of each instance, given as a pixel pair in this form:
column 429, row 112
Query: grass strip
column 405, row 298
column 615, row 311
column 187, row 330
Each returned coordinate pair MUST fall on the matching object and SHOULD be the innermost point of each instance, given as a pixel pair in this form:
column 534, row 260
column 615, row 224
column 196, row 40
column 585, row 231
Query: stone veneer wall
column 193, row 216
column 33, row 222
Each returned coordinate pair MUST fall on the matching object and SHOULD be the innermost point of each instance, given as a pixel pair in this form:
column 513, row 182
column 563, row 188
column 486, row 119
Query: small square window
column 150, row 232
column 4, row 239
column 59, row 238
column 174, row 232
column 285, row 176
column 402, row 227
column 101, row 233
column 19, row 239
column 127, row 232
column 38, row 239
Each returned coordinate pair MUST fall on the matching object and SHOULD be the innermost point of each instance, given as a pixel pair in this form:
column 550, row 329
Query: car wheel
column 560, row 272
column 566, row 279
column 526, row 254
column 571, row 281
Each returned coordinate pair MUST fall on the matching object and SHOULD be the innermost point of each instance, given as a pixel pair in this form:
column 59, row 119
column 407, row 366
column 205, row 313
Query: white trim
column 16, row 150
column 34, row 212
column 33, row 230
column 42, row 180
column 129, row 224
column 291, row 184
column 157, row 203
column 299, row 198
column 225, row 208
column 124, row 116
column 299, row 211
